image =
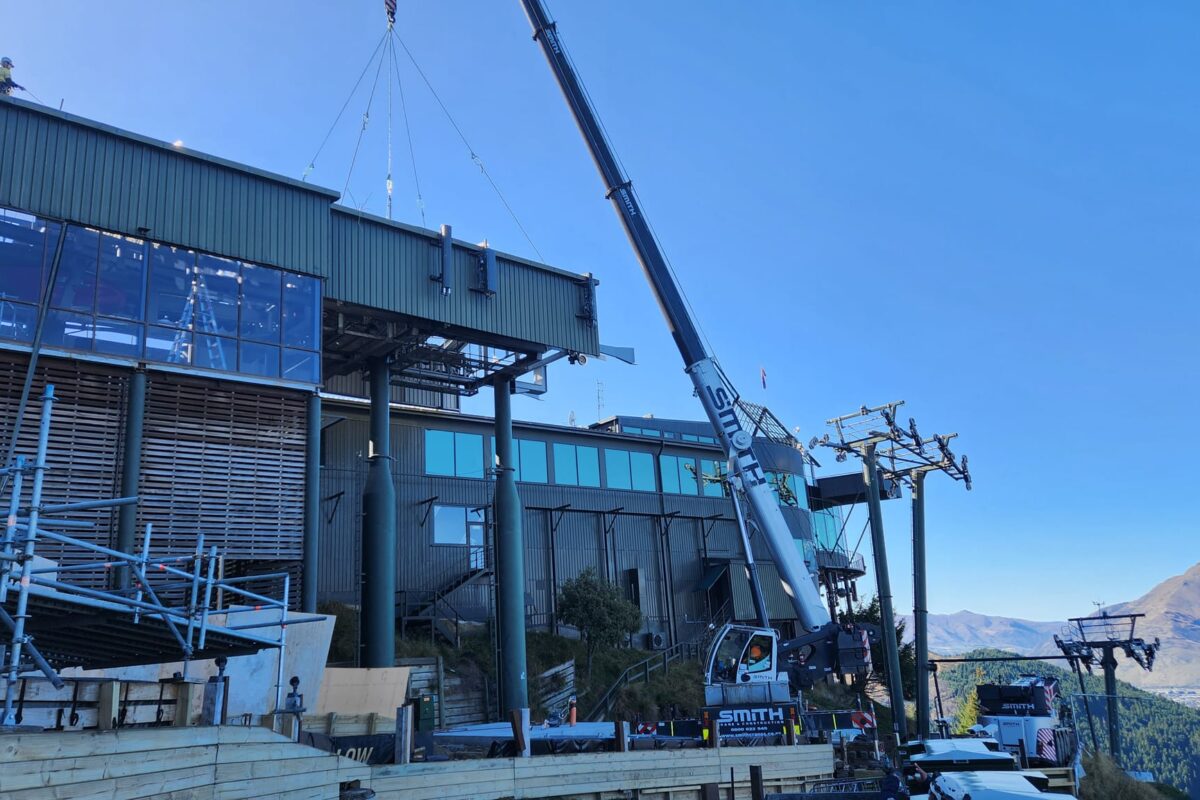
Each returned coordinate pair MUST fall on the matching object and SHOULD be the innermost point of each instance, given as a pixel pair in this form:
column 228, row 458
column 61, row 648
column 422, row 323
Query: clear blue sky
column 988, row 210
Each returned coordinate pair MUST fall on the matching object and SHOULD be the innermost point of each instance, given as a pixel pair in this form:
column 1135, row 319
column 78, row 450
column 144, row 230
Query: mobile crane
column 745, row 664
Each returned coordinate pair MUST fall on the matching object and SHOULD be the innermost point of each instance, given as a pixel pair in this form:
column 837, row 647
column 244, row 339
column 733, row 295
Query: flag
column 762, row 374
column 390, row 7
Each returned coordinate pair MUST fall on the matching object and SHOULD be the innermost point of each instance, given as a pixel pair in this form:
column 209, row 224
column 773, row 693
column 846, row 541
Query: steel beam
column 510, row 559
column 920, row 603
column 312, row 506
column 887, row 634
column 377, row 631
column 131, row 471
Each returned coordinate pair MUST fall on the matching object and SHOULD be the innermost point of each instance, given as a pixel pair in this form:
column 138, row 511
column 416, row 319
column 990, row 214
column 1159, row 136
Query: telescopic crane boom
column 712, row 387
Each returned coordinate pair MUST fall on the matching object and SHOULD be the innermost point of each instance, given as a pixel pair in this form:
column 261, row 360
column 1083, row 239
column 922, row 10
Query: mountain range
column 1172, row 610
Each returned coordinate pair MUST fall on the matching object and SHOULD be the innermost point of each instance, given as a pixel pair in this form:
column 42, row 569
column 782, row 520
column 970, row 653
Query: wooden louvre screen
column 83, row 457
column 225, row 460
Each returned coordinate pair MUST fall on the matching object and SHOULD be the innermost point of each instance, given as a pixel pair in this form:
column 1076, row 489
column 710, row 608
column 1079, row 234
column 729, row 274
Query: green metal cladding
column 66, row 167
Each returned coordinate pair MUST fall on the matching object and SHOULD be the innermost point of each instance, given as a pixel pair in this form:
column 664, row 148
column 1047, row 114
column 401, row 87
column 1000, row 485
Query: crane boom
column 714, row 390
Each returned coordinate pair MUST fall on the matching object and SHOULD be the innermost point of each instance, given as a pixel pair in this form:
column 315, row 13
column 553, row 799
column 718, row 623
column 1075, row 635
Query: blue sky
column 987, row 210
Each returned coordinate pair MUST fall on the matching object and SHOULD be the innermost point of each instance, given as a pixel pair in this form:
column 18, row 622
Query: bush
column 1106, row 781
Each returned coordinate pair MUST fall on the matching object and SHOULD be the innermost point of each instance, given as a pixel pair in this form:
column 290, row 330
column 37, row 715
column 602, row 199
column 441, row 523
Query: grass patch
column 1106, row 781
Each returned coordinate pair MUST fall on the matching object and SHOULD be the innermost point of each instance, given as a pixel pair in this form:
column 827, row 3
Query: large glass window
column 712, row 477
column 576, row 465
column 533, row 461
column 261, row 303
column 123, row 296
column 121, row 280
column 75, row 286
column 789, row 489
column 459, row 525
column 616, row 468
column 678, row 474
column 23, row 248
column 456, row 454
column 628, row 470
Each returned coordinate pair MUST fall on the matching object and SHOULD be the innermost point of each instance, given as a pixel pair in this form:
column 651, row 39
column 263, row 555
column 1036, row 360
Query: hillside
column 1158, row 735
column 1172, row 610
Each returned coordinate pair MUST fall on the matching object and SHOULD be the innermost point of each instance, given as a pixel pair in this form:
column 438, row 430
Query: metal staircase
column 433, row 607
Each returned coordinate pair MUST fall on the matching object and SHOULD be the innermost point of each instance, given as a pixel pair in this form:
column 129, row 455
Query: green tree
column 968, row 712
column 870, row 613
column 598, row 610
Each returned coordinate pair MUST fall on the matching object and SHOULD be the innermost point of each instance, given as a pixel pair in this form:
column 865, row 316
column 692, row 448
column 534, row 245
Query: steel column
column 510, row 560
column 312, row 505
column 887, row 634
column 1109, row 663
column 131, row 471
column 377, row 631
column 920, row 603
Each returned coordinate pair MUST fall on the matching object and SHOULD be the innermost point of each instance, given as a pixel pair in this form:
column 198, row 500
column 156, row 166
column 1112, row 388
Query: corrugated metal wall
column 63, row 166
column 379, row 264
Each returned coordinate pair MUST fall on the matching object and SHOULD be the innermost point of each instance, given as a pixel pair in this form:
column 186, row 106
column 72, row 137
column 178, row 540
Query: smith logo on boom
column 751, row 472
column 764, row 714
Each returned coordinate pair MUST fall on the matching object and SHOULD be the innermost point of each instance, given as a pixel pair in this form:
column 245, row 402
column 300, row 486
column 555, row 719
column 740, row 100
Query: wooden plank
column 247, row 734
column 108, row 705
column 57, row 772
column 228, row 754
column 43, row 746
column 272, row 787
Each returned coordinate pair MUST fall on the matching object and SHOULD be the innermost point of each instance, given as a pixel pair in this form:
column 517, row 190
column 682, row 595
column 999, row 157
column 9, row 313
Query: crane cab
column 742, row 654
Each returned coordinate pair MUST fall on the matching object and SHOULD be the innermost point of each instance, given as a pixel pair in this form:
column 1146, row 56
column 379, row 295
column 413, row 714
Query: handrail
column 643, row 668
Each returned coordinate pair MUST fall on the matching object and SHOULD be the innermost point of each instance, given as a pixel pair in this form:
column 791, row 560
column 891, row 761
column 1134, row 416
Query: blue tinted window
column 687, row 476
column 632, row 430
column 616, row 469
column 215, row 297
column 67, row 329
column 219, row 352
column 668, row 435
column 259, row 359
column 171, row 345
column 468, row 455
column 118, row 337
column 669, row 466
column 565, row 471
column 301, row 365
column 641, row 468
column 439, row 452
column 533, row 461
column 449, row 525
column 713, row 477
column 301, row 312
column 171, row 275
column 588, row 460
column 121, row 282
column 261, row 299
column 75, row 287
column 17, row 321
column 691, row 437
column 24, row 243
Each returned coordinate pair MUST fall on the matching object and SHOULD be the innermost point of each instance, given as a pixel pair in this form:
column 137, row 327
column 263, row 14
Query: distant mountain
column 1172, row 610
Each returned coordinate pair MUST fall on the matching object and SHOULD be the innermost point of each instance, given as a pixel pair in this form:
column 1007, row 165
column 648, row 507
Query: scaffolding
column 166, row 612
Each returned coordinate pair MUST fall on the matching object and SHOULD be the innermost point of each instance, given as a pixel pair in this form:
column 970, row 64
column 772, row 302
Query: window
column 576, row 465
column 789, row 489
column 75, row 286
column 678, row 474
column 533, row 461
column 128, row 297
column 459, row 525
column 708, row 439
column 456, row 454
column 261, row 301
column 628, row 470
column 121, row 280
column 690, row 437
column 712, row 476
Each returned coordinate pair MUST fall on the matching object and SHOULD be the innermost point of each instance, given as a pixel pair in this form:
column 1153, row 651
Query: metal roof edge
column 432, row 234
column 113, row 130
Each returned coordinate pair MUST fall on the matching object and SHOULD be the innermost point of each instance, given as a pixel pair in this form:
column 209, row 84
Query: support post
column 312, row 505
column 131, row 472
column 510, row 559
column 886, row 617
column 1109, row 664
column 377, row 632
column 920, row 603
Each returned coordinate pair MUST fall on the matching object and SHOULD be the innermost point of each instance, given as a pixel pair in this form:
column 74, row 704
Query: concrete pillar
column 312, row 505
column 920, row 604
column 510, row 560
column 377, row 629
column 131, row 471
column 886, row 617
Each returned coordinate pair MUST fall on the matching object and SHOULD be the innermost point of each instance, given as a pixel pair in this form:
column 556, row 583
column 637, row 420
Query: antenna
column 571, row 419
column 599, row 400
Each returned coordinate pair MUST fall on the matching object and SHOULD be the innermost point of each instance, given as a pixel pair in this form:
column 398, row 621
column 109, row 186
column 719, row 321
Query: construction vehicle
column 746, row 666
column 1021, row 717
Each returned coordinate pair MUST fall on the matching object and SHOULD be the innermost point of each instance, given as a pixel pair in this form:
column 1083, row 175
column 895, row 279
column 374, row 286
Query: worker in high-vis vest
column 7, row 84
